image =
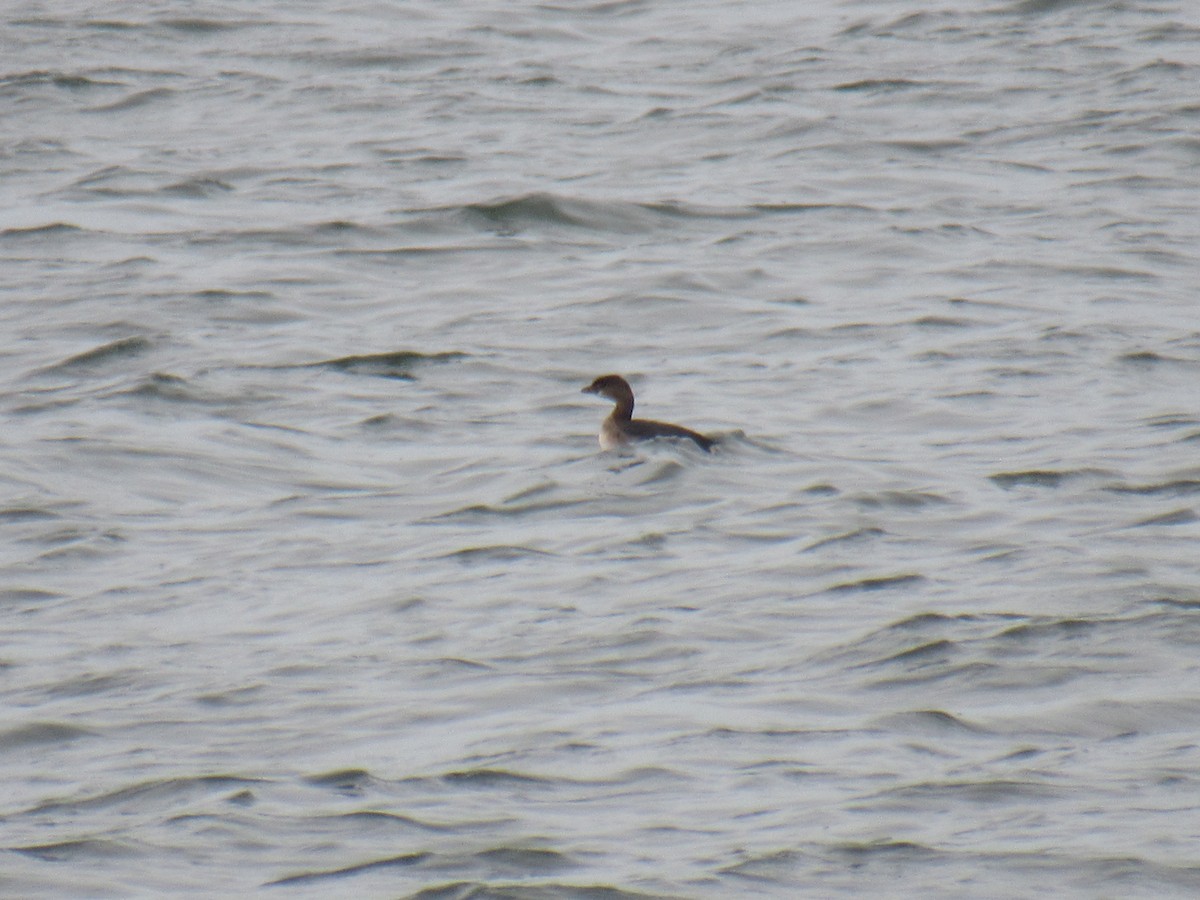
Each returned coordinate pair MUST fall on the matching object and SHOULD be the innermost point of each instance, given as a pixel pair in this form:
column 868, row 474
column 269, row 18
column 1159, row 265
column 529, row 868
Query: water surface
column 315, row 582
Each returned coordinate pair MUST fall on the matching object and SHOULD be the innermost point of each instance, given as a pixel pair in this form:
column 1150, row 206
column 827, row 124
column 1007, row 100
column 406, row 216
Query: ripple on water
column 112, row 352
column 1175, row 487
column 1033, row 478
column 396, row 364
column 1183, row 516
column 153, row 796
column 39, row 733
column 878, row 583
column 375, row 865
column 94, row 850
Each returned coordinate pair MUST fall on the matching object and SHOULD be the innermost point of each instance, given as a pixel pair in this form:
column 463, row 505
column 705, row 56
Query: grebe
column 620, row 428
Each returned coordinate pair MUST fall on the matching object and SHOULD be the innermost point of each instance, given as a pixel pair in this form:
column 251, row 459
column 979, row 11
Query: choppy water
column 315, row 584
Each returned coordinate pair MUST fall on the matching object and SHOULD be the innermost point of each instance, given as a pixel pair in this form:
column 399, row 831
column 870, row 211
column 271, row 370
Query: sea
column 314, row 579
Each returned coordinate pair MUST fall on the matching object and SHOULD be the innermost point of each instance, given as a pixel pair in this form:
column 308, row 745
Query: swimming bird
column 620, row 428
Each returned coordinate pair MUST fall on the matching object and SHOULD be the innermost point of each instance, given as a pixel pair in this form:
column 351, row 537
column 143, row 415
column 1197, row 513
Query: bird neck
column 623, row 411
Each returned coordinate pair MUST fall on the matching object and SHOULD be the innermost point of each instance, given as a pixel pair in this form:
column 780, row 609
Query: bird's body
column 620, row 428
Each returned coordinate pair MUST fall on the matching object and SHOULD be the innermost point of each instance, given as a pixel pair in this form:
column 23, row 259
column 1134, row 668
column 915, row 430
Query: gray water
column 315, row 583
